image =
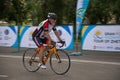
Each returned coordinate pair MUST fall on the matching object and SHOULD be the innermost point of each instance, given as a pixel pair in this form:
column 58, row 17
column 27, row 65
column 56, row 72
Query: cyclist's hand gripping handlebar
column 63, row 43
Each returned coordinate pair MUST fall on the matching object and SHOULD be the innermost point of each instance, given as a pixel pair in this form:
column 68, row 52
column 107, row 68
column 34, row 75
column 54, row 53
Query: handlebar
column 53, row 44
column 62, row 42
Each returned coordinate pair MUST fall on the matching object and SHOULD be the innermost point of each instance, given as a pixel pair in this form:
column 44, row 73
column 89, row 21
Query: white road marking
column 73, row 60
column 9, row 56
column 99, row 62
column 3, row 76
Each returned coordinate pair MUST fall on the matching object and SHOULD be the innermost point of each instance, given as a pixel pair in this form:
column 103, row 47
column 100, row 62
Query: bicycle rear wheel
column 30, row 60
column 60, row 64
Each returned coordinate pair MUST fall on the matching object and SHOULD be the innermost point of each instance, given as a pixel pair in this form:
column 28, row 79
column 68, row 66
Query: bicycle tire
column 62, row 67
column 31, row 66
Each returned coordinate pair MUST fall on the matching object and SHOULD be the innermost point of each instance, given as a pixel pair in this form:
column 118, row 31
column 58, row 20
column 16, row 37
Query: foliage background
column 31, row 12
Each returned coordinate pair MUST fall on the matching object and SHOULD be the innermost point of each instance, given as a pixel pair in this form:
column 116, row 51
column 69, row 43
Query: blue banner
column 80, row 13
column 8, row 36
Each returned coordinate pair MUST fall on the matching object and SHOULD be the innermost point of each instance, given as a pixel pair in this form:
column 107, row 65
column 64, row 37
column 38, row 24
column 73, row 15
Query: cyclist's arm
column 57, row 34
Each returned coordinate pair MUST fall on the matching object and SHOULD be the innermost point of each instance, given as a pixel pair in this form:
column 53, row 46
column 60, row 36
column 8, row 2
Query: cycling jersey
column 39, row 37
column 45, row 26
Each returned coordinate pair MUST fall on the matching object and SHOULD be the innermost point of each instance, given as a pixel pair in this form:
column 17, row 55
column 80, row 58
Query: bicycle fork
column 57, row 55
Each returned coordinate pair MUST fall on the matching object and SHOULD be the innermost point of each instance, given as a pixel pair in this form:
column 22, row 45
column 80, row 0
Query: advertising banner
column 101, row 37
column 8, row 36
column 26, row 37
column 80, row 13
column 66, row 33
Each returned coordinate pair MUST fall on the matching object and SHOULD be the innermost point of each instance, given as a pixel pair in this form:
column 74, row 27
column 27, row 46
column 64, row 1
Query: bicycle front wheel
column 30, row 60
column 60, row 63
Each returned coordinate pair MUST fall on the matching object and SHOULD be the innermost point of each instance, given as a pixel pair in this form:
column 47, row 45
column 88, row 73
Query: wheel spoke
column 62, row 64
column 30, row 60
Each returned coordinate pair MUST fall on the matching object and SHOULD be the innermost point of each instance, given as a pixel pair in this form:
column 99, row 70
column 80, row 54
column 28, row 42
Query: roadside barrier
column 21, row 36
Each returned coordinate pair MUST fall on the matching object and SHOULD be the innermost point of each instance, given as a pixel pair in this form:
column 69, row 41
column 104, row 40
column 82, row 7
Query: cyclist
column 42, row 36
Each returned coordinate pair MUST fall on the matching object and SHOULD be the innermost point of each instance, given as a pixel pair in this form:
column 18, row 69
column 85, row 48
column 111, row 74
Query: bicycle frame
column 51, row 51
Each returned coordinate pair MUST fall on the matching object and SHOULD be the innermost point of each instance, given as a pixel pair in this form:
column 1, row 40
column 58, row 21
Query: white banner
column 66, row 33
column 26, row 37
column 8, row 36
column 101, row 37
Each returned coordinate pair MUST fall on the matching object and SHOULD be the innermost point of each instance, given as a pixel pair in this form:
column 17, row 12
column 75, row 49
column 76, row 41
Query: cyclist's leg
column 42, row 48
column 39, row 43
column 41, row 52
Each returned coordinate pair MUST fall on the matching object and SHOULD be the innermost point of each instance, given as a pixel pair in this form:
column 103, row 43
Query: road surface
column 89, row 66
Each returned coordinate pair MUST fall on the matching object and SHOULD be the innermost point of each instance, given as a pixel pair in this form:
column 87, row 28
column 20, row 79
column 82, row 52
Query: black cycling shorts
column 38, row 41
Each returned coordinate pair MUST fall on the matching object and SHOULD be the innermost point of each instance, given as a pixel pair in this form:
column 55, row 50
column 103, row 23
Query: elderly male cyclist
column 41, row 35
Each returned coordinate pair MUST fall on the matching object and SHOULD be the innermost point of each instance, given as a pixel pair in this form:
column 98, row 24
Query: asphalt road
column 89, row 66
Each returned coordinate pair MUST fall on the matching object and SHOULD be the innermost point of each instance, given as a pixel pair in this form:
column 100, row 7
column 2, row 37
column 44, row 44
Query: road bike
column 59, row 59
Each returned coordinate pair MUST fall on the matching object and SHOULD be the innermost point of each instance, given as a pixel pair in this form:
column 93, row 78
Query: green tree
column 35, row 11
column 13, row 10
column 116, row 10
column 70, row 11
column 20, row 11
column 98, row 12
column 7, row 10
column 53, row 6
column 103, row 11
